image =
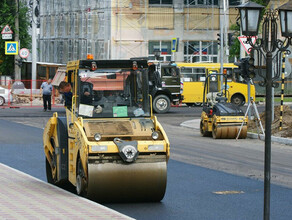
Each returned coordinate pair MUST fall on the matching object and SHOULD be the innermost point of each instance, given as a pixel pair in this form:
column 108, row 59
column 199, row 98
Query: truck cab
column 165, row 87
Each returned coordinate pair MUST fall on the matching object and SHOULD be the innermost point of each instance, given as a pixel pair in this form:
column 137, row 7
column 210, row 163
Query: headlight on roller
column 97, row 137
column 155, row 135
column 95, row 148
column 155, row 147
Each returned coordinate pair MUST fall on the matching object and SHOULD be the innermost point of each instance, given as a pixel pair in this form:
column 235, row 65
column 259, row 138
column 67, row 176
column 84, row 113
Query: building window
column 160, row 2
column 201, row 2
column 163, row 46
column 234, row 2
column 200, row 51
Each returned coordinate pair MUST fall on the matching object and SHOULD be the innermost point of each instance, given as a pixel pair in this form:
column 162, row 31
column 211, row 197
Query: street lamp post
column 157, row 54
column 270, row 48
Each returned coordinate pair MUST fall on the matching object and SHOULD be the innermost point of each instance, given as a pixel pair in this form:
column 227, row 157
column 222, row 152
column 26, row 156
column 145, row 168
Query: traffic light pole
column 17, row 69
column 268, row 134
column 248, row 94
column 221, row 43
column 34, row 46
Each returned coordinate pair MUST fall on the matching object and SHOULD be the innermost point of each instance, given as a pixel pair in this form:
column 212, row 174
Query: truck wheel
column 2, row 101
column 237, row 99
column 161, row 104
column 198, row 104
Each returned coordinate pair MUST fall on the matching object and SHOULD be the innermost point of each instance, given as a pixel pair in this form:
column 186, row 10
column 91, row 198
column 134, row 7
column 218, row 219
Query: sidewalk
column 195, row 124
column 25, row 197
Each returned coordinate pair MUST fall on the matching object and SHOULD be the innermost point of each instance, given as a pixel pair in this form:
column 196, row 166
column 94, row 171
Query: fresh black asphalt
column 190, row 189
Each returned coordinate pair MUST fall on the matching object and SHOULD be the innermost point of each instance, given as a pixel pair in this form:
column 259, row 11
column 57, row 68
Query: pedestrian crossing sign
column 11, row 47
column 173, row 44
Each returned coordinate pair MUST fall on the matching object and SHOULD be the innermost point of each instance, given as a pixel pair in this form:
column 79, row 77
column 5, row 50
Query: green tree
column 234, row 50
column 8, row 11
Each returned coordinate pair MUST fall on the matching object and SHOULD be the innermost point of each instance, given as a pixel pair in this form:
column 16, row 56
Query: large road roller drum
column 228, row 132
column 127, row 182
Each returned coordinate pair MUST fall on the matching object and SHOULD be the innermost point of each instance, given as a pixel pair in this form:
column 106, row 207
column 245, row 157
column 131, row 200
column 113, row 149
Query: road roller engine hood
column 129, row 136
column 227, row 109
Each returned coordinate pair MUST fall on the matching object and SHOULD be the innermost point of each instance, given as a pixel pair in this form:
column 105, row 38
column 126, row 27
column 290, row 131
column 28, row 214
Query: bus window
column 186, row 74
column 193, row 74
column 229, row 74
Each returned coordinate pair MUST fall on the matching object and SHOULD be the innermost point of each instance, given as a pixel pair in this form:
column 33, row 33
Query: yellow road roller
column 109, row 146
column 219, row 118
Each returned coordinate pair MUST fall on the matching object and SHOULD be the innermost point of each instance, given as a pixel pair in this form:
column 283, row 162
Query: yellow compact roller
column 109, row 145
column 220, row 119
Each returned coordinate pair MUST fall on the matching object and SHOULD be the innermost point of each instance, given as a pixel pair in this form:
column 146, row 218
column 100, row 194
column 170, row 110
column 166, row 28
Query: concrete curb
column 287, row 141
column 195, row 124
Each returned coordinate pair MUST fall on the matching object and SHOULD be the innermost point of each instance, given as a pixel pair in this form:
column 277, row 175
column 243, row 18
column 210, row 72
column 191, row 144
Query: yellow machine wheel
column 204, row 131
column 243, row 133
column 232, row 132
column 51, row 170
column 228, row 132
column 216, row 132
column 81, row 187
column 224, row 132
column 49, row 174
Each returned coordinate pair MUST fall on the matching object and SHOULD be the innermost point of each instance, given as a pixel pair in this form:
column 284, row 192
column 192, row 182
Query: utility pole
column 17, row 69
column 222, row 20
column 226, row 28
column 34, row 46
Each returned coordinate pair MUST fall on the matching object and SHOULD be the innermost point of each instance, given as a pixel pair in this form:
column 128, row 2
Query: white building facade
column 119, row 29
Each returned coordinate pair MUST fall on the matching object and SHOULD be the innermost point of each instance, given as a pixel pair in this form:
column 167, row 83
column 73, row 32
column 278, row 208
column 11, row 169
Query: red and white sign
column 7, row 30
column 245, row 44
column 24, row 53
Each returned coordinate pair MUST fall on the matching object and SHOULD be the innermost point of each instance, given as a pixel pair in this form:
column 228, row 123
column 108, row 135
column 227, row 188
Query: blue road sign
column 174, row 44
column 11, row 47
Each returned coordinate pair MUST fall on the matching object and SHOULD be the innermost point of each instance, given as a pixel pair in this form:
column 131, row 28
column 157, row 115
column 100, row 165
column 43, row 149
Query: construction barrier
column 25, row 93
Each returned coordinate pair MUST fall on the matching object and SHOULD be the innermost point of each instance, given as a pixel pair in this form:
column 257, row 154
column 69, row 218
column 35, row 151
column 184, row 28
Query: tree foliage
column 8, row 11
column 234, row 50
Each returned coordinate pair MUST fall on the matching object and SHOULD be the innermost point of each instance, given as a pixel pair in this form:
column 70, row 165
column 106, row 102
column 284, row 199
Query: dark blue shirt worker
column 46, row 90
column 65, row 88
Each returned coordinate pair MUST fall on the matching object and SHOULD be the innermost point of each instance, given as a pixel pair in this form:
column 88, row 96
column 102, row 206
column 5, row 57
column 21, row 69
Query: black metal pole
column 268, row 134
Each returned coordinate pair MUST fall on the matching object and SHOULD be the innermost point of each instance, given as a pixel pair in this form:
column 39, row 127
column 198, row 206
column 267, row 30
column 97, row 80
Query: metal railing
column 19, row 94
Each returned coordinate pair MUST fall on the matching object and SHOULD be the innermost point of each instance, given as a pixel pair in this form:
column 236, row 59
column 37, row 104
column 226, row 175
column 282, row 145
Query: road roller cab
column 109, row 145
column 219, row 118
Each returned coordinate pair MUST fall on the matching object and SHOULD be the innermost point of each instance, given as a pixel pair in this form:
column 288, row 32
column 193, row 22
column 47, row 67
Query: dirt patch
column 286, row 123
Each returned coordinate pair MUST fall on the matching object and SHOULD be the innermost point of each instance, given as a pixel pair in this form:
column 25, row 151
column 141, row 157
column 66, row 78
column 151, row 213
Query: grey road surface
column 197, row 188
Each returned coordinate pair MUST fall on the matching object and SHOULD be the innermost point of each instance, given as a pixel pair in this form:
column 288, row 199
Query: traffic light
column 241, row 70
column 219, row 39
column 18, row 62
column 250, row 68
column 245, row 68
column 231, row 39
